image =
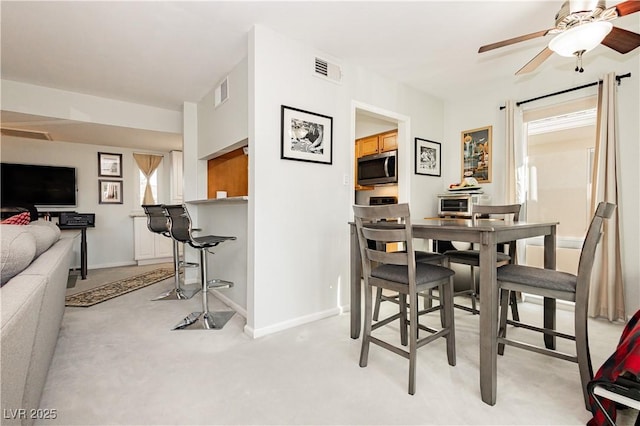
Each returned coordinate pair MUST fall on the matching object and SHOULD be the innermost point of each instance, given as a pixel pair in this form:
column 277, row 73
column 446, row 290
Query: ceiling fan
column 581, row 25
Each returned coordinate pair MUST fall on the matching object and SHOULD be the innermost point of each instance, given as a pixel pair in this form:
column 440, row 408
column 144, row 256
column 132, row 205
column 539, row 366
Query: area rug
column 117, row 288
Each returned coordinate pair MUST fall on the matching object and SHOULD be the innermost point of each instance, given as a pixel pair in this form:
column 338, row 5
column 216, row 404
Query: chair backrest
column 385, row 224
column 585, row 265
column 156, row 220
column 504, row 210
column 179, row 221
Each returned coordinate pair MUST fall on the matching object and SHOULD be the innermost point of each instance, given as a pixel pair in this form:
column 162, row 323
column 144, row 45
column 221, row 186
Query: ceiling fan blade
column 622, row 40
column 513, row 41
column 535, row 62
column 627, row 7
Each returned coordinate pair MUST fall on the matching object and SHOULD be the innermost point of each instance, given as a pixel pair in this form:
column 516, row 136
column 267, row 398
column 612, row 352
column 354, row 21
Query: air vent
column 29, row 134
column 222, row 92
column 326, row 69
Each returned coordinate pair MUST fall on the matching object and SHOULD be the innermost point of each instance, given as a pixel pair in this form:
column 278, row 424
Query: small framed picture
column 306, row 136
column 476, row 154
column 110, row 191
column 109, row 165
column 428, row 157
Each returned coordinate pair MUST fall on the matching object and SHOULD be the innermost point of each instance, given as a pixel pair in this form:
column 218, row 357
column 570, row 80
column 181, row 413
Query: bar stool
column 158, row 223
column 180, row 229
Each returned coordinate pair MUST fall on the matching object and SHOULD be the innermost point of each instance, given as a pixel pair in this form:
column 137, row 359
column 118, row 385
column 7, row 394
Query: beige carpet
column 117, row 288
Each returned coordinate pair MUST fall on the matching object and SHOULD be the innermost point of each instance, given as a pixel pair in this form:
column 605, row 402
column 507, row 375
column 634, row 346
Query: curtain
column 516, row 179
column 606, row 297
column 147, row 164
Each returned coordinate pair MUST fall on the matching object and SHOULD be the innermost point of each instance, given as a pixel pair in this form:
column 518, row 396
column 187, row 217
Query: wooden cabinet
column 374, row 144
column 150, row 247
column 367, row 146
column 388, row 141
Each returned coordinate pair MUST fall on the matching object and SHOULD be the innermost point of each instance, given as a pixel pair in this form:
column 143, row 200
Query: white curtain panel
column 606, row 297
column 516, row 181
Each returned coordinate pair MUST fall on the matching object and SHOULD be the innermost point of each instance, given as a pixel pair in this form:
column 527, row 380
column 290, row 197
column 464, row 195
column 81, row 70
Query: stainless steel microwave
column 378, row 169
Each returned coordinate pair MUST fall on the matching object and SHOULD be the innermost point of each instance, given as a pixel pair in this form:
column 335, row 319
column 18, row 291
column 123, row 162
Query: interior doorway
column 369, row 120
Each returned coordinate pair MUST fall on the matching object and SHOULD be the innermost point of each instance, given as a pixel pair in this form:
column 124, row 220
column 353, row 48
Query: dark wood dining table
column 486, row 234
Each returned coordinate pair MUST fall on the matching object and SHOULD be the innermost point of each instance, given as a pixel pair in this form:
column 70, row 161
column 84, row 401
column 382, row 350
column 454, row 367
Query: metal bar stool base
column 178, row 294
column 204, row 321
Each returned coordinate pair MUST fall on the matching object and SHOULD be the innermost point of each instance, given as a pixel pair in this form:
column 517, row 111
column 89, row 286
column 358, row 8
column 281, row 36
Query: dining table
column 486, row 234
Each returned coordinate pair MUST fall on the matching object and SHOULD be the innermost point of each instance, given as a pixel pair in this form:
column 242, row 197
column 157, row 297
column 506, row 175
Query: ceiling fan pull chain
column 579, row 61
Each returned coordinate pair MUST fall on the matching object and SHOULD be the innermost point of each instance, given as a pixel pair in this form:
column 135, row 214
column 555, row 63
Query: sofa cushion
column 17, row 250
column 45, row 233
column 18, row 219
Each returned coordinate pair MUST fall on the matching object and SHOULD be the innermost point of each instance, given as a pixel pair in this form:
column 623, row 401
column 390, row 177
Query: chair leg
column 449, row 321
column 178, row 292
column 474, row 291
column 413, row 339
column 428, row 300
column 504, row 309
column 206, row 320
column 582, row 351
column 513, row 301
column 376, row 309
column 366, row 332
column 402, row 299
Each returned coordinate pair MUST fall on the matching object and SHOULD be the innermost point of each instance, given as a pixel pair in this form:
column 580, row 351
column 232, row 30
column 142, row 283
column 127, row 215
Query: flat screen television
column 50, row 186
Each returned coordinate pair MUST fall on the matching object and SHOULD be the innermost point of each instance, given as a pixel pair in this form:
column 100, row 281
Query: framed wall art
column 306, row 136
column 109, row 165
column 428, row 159
column 476, row 154
column 110, row 191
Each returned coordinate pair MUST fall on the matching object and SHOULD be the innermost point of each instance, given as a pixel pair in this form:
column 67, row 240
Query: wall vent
column 29, row 134
column 327, row 70
column 221, row 93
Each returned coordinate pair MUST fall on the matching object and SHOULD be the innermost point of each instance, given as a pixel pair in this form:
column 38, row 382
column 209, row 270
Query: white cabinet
column 150, row 247
column 175, row 189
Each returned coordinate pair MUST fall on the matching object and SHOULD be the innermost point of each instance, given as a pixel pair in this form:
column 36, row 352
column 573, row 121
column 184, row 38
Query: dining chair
column 472, row 257
column 556, row 285
column 399, row 272
column 421, row 257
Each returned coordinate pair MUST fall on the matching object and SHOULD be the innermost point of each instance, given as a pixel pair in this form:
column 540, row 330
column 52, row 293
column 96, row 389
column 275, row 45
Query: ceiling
column 165, row 53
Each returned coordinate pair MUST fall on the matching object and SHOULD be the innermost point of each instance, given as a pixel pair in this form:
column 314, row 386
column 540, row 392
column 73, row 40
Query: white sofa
column 35, row 269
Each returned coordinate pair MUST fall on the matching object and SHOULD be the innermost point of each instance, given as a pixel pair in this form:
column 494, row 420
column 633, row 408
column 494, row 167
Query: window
column 147, row 172
column 153, row 182
column 560, row 142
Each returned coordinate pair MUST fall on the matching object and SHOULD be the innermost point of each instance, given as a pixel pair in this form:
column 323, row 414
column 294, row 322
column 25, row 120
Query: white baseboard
column 264, row 331
column 106, row 265
column 233, row 305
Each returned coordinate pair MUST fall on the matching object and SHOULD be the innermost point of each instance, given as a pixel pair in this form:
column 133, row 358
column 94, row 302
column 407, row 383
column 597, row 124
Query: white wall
column 298, row 212
column 221, row 128
column 482, row 109
column 110, row 243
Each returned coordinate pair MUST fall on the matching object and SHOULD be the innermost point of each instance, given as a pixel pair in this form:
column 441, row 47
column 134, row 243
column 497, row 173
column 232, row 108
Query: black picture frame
column 109, row 164
column 306, row 136
column 109, row 191
column 428, row 157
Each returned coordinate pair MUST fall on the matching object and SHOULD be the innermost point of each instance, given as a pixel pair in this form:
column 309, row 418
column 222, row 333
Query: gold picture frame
column 476, row 147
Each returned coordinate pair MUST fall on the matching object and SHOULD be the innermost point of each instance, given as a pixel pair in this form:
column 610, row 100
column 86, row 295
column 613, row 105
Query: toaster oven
column 457, row 205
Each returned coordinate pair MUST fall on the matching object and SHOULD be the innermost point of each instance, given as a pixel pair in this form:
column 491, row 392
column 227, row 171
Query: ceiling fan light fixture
column 582, row 38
